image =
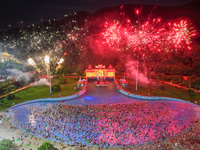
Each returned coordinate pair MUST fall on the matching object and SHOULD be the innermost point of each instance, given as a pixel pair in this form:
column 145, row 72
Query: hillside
column 111, row 35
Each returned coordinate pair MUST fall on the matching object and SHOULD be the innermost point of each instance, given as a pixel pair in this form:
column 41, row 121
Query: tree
column 80, row 71
column 176, row 70
column 176, row 79
column 196, row 84
column 47, row 146
column 1, row 90
column 56, row 88
column 6, row 144
column 161, row 87
column 191, row 93
column 62, row 80
column 151, row 75
column 119, row 68
column 10, row 96
column 19, row 83
column 186, row 71
column 196, row 62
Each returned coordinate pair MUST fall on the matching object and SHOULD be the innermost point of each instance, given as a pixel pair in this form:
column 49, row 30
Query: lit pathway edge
column 19, row 89
column 151, row 98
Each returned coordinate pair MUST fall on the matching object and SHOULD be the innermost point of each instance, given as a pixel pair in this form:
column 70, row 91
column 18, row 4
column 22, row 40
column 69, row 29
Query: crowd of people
column 108, row 125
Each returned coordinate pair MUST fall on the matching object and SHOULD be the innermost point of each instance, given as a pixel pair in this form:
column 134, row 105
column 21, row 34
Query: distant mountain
column 191, row 10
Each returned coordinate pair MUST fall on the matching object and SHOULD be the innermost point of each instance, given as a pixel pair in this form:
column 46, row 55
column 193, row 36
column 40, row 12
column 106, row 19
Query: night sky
column 26, row 12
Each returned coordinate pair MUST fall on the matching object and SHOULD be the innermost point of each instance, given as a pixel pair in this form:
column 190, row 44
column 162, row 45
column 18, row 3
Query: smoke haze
column 131, row 70
column 42, row 82
column 19, row 75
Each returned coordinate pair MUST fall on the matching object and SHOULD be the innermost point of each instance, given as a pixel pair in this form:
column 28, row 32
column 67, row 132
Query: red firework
column 150, row 35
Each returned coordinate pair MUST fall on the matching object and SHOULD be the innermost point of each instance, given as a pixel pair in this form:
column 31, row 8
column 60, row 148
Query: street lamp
column 137, row 13
column 47, row 61
column 136, row 77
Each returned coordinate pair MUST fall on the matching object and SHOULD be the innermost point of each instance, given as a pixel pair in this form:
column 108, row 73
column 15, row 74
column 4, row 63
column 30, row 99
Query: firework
column 136, row 34
column 61, row 61
column 31, row 62
column 152, row 35
column 46, row 59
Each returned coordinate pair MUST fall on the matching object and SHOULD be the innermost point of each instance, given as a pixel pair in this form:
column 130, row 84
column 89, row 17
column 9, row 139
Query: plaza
column 103, row 117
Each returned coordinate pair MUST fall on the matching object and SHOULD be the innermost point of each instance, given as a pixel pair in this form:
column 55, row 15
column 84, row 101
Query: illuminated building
column 100, row 72
column 5, row 57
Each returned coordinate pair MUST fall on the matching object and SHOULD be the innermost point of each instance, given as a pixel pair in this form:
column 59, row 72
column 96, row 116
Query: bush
column 56, row 88
column 47, row 146
column 61, row 80
column 6, row 144
column 161, row 87
column 19, row 84
column 186, row 71
column 152, row 75
column 167, row 78
column 10, row 88
column 10, row 96
column 176, row 79
column 81, row 72
column 77, row 78
column 191, row 93
column 160, row 76
column 196, row 84
column 192, row 77
column 1, row 90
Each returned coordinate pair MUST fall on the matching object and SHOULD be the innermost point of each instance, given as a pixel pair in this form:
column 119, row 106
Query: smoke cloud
column 131, row 70
column 18, row 75
column 41, row 82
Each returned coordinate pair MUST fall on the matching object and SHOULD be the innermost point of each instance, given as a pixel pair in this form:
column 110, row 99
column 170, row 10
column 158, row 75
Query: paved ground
column 93, row 96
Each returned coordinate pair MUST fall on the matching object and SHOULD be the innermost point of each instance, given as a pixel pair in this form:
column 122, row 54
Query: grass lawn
column 36, row 92
column 166, row 91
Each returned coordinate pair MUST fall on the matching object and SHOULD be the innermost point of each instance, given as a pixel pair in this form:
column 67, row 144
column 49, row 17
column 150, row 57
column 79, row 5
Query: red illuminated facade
column 100, row 71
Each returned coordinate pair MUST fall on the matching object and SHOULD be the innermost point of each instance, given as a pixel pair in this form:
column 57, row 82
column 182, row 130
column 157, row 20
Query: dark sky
column 12, row 12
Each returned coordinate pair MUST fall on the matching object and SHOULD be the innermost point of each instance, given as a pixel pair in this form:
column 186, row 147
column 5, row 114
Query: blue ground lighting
column 90, row 98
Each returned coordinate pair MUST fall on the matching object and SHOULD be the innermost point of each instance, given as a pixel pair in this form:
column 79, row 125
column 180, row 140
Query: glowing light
column 61, row 61
column 31, row 62
column 46, row 59
column 137, row 11
column 123, row 33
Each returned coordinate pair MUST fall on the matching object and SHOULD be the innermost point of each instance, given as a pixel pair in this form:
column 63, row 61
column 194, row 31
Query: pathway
column 109, row 95
column 179, row 86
